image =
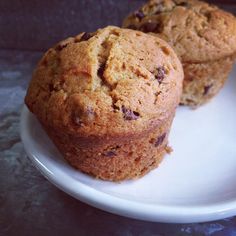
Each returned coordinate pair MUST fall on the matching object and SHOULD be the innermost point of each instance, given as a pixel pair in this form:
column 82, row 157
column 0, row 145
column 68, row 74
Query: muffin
column 107, row 100
column 203, row 36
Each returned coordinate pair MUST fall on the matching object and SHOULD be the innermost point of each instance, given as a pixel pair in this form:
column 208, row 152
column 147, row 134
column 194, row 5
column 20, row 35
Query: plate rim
column 118, row 205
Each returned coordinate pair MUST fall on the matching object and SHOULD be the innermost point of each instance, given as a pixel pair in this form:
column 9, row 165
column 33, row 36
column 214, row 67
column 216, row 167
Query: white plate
column 196, row 183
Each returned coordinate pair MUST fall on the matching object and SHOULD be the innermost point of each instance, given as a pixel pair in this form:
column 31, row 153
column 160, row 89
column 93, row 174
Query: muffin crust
column 110, row 88
column 200, row 34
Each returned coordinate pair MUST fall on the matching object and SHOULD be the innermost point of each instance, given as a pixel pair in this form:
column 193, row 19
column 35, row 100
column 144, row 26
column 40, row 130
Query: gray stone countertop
column 30, row 205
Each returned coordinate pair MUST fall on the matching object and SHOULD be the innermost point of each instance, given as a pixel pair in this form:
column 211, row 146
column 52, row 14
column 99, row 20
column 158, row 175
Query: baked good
column 202, row 35
column 107, row 100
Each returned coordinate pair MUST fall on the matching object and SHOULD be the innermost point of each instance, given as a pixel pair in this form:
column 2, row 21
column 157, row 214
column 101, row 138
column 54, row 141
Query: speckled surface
column 29, row 203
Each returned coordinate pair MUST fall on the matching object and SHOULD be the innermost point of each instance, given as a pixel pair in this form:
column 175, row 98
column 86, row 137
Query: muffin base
column 116, row 159
column 203, row 81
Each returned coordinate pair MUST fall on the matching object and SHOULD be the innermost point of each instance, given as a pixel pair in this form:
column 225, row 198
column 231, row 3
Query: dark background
column 37, row 25
column 29, row 204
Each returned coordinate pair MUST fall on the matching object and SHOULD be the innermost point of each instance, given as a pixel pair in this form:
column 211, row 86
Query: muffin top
column 197, row 31
column 111, row 82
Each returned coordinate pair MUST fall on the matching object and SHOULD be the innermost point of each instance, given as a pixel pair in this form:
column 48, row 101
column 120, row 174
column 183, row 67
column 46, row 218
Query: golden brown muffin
column 107, row 100
column 203, row 36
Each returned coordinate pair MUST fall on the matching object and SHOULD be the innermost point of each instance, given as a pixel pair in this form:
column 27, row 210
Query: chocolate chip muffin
column 203, row 36
column 107, row 100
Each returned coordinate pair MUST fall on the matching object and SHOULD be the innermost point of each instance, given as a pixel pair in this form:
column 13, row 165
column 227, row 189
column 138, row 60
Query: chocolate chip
column 182, row 4
column 77, row 121
column 139, row 14
column 86, row 36
column 132, row 27
column 208, row 15
column 160, row 140
column 51, row 87
column 207, row 89
column 130, row 115
column 160, row 73
column 189, row 79
column 115, row 107
column 44, row 62
column 110, row 153
column 60, row 46
column 83, row 117
column 151, row 27
column 63, row 44
column 158, row 93
column 75, row 117
column 101, row 70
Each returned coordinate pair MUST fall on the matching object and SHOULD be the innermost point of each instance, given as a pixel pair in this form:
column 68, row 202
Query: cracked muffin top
column 197, row 31
column 111, row 82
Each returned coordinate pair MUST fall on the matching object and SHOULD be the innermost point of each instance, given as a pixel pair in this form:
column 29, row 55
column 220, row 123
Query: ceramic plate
column 196, row 183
